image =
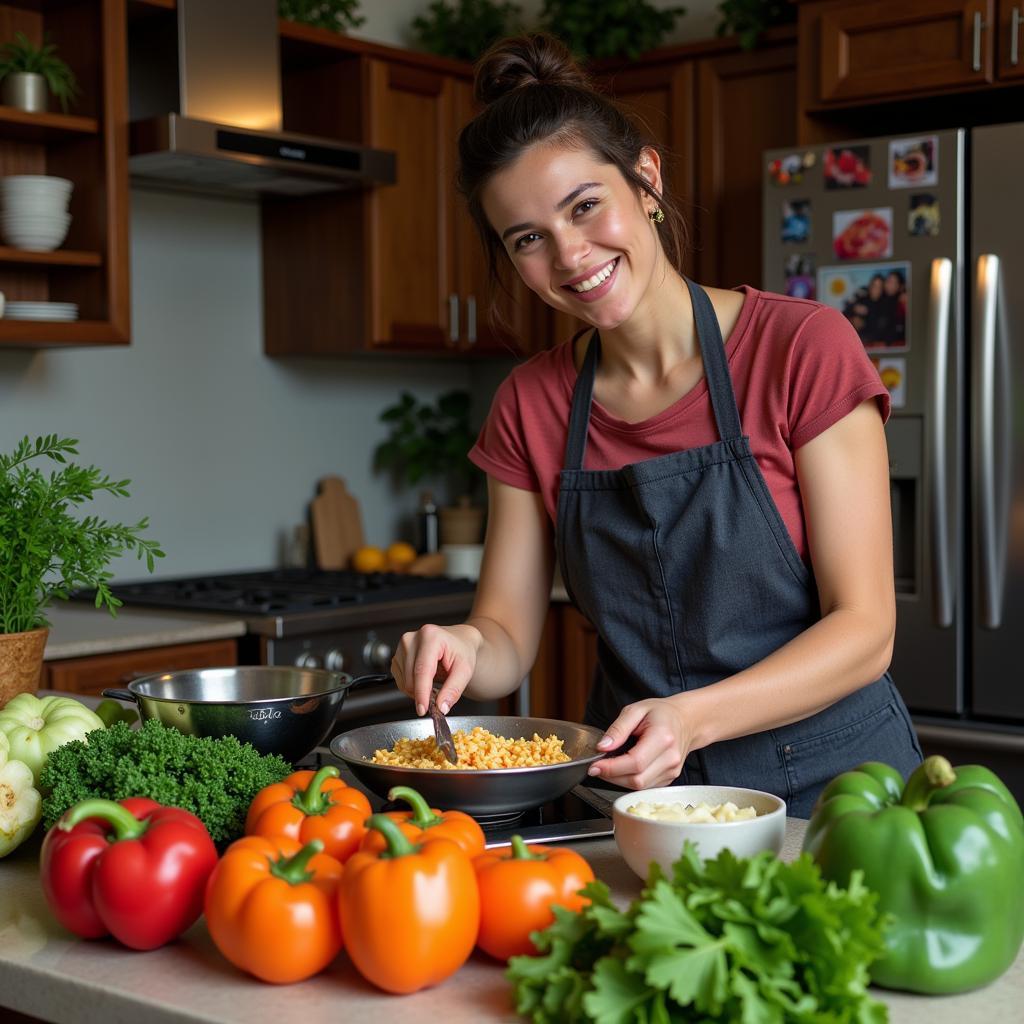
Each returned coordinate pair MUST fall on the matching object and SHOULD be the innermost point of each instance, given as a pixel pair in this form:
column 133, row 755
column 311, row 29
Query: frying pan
column 476, row 791
column 279, row 710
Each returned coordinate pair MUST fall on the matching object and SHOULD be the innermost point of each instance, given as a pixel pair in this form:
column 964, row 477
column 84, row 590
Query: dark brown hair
column 534, row 91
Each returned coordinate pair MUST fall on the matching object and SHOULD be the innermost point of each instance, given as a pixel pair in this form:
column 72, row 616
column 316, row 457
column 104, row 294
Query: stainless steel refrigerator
column 919, row 241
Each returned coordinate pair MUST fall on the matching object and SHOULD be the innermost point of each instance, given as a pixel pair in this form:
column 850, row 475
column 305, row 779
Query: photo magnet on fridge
column 799, row 274
column 893, row 372
column 914, row 162
column 796, row 220
column 923, row 217
column 791, row 168
column 875, row 298
column 862, row 234
column 847, row 167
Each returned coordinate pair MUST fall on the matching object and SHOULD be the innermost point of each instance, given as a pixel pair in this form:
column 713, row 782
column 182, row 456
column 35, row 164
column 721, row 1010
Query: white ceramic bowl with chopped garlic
column 645, row 839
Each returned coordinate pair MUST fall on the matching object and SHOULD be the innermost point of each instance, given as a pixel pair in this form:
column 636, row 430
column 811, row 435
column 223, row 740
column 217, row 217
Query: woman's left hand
column 663, row 741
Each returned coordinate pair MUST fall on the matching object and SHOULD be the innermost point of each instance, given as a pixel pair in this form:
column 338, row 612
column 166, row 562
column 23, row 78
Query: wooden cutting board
column 337, row 524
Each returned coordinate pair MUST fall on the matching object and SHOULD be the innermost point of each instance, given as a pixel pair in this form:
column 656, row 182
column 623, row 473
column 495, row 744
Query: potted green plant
column 625, row 28
column 464, row 29
column 748, row 19
column 46, row 550
column 430, row 441
column 27, row 70
column 336, row 15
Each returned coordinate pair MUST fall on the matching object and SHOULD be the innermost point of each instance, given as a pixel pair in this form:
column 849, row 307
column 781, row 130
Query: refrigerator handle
column 938, row 346
column 992, row 536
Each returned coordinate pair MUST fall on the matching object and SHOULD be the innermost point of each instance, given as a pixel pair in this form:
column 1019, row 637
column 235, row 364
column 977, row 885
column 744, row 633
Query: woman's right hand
column 445, row 654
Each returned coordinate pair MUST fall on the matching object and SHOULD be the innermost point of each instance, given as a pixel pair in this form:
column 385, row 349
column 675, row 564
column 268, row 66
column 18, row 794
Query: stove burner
column 278, row 591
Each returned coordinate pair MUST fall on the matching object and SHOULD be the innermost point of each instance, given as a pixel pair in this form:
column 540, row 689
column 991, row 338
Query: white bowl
column 47, row 219
column 642, row 840
column 34, row 241
column 49, row 205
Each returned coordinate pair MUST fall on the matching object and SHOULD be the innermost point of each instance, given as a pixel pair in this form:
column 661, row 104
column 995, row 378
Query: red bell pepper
column 133, row 869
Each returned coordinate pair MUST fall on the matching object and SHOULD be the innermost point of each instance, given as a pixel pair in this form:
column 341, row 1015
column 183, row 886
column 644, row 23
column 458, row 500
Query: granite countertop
column 46, row 972
column 78, row 630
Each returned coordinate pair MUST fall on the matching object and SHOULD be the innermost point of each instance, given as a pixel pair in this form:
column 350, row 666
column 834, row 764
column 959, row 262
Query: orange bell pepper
column 425, row 822
column 518, row 887
column 307, row 806
column 411, row 912
column 271, row 907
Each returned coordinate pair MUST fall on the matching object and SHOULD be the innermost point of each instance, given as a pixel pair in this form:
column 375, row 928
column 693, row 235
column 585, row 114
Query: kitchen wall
column 224, row 446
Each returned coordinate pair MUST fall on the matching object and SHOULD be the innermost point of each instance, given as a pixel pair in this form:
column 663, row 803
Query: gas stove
column 343, row 621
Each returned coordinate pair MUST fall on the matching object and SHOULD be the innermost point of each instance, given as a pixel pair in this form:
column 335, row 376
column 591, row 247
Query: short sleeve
column 500, row 450
column 829, row 375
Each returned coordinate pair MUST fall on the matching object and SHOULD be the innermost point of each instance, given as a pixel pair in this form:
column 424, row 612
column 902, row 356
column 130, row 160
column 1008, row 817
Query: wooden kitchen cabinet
column 854, row 53
column 97, row 672
column 395, row 267
column 564, row 669
column 89, row 147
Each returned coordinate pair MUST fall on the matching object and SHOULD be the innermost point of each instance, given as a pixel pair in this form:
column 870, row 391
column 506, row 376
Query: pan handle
column 120, row 695
column 356, row 682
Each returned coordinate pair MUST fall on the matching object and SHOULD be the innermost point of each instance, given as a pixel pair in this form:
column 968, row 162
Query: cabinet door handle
column 1014, row 36
column 453, row 318
column 471, row 319
column 979, row 27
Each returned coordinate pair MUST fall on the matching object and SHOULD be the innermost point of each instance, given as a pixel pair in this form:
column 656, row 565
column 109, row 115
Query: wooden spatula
column 442, row 733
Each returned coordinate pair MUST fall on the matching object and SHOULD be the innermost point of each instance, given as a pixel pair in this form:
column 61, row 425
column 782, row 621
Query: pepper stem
column 932, row 774
column 422, row 815
column 294, row 870
column 520, row 851
column 124, row 824
column 398, row 844
column 313, row 800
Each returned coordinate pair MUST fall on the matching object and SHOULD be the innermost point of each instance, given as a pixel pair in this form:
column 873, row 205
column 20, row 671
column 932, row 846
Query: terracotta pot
column 462, row 523
column 21, row 662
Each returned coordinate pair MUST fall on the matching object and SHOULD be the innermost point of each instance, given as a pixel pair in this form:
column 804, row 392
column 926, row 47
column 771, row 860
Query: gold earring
column 657, row 215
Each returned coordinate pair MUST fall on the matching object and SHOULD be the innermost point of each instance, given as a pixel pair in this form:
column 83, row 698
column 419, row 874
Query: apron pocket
column 810, row 763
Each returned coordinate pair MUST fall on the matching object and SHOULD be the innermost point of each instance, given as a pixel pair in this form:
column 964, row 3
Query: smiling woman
column 707, row 466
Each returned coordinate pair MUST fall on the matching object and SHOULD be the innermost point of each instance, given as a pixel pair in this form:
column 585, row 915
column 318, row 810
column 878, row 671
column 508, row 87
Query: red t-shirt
column 797, row 367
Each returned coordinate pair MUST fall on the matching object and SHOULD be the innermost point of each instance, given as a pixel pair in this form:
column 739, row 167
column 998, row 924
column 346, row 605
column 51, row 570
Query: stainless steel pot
column 483, row 791
column 279, row 710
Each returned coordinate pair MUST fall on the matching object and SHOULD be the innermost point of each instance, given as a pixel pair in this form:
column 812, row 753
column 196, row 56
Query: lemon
column 369, row 559
column 400, row 555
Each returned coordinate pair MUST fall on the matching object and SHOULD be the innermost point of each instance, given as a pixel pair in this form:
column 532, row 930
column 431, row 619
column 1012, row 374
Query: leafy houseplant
column 464, row 29
column 749, row 18
column 614, row 28
column 336, row 15
column 46, row 550
column 430, row 441
column 22, row 57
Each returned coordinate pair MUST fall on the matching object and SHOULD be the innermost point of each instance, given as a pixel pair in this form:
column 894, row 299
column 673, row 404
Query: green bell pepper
column 35, row 727
column 945, row 853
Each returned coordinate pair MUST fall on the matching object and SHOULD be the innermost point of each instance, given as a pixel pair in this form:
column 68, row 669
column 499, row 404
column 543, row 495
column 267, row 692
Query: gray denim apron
column 685, row 567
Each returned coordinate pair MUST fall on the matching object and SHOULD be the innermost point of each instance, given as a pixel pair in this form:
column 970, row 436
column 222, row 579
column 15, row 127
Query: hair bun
column 535, row 59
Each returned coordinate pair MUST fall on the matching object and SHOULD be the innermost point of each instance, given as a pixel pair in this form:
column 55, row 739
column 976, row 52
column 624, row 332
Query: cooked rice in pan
column 478, row 748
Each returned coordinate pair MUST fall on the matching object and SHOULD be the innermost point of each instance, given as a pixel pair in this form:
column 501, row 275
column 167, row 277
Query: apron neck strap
column 716, row 373
column 716, row 367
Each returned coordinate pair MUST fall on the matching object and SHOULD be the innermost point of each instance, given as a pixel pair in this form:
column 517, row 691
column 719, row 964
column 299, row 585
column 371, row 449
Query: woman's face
column 577, row 231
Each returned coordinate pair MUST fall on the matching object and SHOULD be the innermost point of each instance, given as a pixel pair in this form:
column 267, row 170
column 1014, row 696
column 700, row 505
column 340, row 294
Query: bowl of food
column 652, row 824
column 505, row 763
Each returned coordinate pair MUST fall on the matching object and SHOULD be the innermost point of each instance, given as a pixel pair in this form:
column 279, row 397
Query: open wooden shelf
column 57, row 258
column 55, row 333
column 43, row 127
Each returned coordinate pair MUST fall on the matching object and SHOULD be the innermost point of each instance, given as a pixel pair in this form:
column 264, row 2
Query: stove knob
column 377, row 654
column 334, row 660
column 307, row 660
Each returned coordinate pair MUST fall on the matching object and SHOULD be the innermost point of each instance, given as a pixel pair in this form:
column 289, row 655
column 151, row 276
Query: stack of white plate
column 35, row 213
column 41, row 311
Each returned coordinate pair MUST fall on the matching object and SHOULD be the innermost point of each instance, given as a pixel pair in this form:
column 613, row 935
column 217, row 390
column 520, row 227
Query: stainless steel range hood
column 206, row 110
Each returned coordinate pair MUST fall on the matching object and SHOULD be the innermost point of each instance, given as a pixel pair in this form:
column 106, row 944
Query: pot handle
column 355, row 682
column 120, row 695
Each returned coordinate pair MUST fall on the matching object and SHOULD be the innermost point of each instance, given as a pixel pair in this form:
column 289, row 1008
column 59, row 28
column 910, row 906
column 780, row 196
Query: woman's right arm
column 489, row 655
